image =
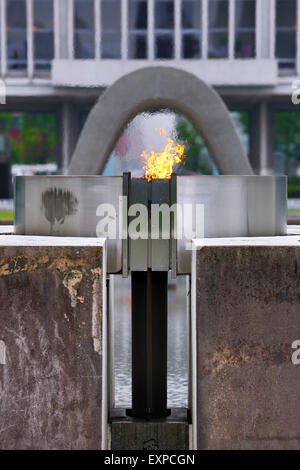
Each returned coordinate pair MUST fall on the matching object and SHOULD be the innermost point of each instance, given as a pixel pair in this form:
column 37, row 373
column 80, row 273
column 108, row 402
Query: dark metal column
column 149, row 344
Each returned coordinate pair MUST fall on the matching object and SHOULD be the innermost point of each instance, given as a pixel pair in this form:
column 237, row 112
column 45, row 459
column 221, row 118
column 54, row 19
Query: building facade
column 59, row 55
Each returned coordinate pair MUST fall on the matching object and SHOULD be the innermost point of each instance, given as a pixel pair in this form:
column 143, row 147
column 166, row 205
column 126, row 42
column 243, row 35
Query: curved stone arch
column 150, row 89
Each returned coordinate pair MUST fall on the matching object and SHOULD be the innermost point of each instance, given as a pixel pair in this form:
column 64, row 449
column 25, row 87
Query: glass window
column 16, row 35
column 137, row 14
column 218, row 28
column 137, row 29
column 286, row 13
column 286, row 48
column 245, row 28
column 164, row 46
column 164, row 29
column 111, row 29
column 43, row 34
column 191, row 28
column 137, row 45
column 84, row 29
column 286, row 27
column 191, row 14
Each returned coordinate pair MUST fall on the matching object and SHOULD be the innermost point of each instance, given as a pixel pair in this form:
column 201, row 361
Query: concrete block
column 245, row 317
column 171, row 433
column 52, row 343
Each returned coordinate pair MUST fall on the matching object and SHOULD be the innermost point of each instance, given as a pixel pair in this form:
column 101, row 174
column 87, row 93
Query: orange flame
column 159, row 165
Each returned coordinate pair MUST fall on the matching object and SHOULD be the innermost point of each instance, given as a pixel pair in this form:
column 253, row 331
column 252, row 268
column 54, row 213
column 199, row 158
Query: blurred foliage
column 197, row 160
column 286, row 142
column 7, row 121
column 7, row 215
column 33, row 136
column 244, row 122
column 293, row 186
column 287, row 137
column 294, row 191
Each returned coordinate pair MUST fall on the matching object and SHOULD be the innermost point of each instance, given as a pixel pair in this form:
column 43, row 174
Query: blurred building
column 59, row 55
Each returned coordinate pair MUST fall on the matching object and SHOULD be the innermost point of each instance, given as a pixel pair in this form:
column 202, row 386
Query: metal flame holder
column 234, row 206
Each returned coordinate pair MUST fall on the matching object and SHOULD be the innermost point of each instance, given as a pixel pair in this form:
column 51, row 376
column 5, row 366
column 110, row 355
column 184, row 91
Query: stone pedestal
column 245, row 318
column 52, row 343
column 171, row 433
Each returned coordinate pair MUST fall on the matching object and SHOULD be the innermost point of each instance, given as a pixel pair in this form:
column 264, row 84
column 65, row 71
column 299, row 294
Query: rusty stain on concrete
column 71, row 281
column 237, row 355
column 9, row 266
column 96, row 314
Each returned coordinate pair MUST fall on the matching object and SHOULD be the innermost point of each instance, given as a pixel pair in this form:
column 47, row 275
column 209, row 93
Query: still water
column 177, row 342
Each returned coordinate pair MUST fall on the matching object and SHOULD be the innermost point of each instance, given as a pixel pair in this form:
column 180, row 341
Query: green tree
column 197, row 160
column 287, row 135
column 37, row 140
column 6, row 122
column 243, row 119
column 38, row 137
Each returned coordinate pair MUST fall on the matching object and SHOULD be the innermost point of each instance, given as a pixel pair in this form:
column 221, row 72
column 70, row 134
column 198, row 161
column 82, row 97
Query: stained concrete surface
column 51, row 332
column 246, row 316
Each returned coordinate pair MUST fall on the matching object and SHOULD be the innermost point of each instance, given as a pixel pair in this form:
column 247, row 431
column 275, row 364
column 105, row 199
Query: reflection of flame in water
column 159, row 165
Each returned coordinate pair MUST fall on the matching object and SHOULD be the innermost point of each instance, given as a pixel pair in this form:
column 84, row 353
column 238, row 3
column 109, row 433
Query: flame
column 159, row 165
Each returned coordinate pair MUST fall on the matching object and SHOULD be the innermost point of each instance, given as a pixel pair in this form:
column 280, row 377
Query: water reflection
column 177, row 342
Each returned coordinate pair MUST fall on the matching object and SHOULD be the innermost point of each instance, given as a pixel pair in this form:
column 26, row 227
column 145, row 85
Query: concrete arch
column 155, row 88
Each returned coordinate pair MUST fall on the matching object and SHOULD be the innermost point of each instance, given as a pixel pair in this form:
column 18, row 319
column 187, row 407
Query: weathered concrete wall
column 51, row 336
column 246, row 317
